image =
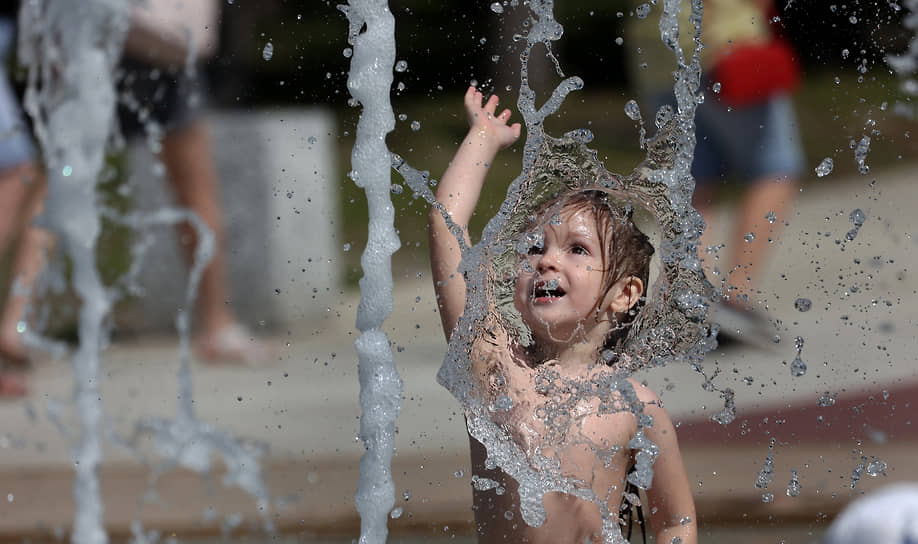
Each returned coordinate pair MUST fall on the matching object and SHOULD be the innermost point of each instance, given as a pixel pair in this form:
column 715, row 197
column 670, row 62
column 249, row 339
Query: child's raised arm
column 672, row 508
column 458, row 192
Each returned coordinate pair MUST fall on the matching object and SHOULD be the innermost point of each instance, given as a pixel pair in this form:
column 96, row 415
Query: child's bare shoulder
column 644, row 393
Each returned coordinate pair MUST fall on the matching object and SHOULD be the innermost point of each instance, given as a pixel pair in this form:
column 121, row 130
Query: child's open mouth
column 546, row 291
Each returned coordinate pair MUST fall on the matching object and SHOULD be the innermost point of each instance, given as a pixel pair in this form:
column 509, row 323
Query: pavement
column 856, row 404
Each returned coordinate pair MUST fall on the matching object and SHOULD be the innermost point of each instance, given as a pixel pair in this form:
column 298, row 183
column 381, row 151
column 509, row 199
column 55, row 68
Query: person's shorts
column 156, row 99
column 745, row 144
column 16, row 145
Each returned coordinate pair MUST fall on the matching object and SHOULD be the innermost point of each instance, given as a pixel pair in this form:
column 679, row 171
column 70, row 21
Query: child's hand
column 485, row 123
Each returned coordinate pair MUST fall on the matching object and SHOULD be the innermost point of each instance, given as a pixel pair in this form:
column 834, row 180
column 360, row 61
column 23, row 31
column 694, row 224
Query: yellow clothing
column 725, row 22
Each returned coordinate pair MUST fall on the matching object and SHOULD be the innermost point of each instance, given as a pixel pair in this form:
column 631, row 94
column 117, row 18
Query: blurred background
column 282, row 128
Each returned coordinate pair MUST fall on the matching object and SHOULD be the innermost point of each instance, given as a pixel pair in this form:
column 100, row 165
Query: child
column 579, row 285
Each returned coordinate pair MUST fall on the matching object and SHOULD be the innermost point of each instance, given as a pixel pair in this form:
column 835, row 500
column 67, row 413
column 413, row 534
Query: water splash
column 858, row 218
column 860, row 155
column 371, row 32
column 825, row 167
column 767, row 473
column 673, row 326
column 793, row 486
column 185, row 441
column 798, row 367
column 70, row 48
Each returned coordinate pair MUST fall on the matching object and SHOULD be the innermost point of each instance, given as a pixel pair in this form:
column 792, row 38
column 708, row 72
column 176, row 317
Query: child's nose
column 548, row 260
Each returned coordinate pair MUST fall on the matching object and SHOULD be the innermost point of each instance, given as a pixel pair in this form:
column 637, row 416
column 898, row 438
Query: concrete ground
column 859, row 349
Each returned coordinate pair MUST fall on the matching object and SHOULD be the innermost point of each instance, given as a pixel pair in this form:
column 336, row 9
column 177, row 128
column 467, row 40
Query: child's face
column 561, row 281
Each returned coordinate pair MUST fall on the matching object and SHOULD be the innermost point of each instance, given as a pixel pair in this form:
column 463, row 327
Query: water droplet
column 67, row 171
column 845, row 53
column 459, row 473
column 642, row 11
column 803, row 304
column 852, row 20
column 397, row 189
column 860, row 155
column 347, row 52
column 402, row 117
column 401, row 66
column 508, row 515
column 495, row 58
column 857, row 217
column 400, row 86
column 406, row 494
column 771, row 217
column 876, row 467
column 750, row 236
column 268, row 52
column 716, row 87
column 825, row 400
column 619, row 40
column 396, row 512
column 767, row 497
column 415, row 126
column 825, row 167
column 793, row 486
column 632, row 110
column 497, row 8
column 21, row 327
column 9, row 497
column 798, row 367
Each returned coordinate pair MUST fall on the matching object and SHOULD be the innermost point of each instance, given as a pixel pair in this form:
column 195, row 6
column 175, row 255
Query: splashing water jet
column 70, row 48
column 369, row 81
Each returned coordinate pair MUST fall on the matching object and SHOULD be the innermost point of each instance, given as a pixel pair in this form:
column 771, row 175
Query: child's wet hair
column 625, row 250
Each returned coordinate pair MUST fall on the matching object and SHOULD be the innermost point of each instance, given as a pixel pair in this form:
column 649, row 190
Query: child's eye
column 579, row 250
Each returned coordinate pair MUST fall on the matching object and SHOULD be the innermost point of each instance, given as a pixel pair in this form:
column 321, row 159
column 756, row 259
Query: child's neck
column 568, row 354
column 582, row 349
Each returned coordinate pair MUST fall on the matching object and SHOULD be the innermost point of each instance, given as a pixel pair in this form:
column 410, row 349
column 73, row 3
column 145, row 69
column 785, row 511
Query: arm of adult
column 458, row 192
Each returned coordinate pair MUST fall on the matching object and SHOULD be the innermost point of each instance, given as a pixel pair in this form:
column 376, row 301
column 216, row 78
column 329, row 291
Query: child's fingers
column 472, row 98
column 517, row 129
column 504, row 115
column 491, row 104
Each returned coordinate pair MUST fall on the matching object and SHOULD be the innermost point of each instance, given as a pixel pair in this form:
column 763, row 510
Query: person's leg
column 21, row 197
column 192, row 174
column 772, row 165
column 748, row 257
column 22, row 194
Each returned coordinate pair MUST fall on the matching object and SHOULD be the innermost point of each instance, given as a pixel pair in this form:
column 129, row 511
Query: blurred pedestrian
column 747, row 139
column 22, row 189
column 162, row 96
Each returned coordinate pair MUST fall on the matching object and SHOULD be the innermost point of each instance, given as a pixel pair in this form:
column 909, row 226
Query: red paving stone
column 876, row 415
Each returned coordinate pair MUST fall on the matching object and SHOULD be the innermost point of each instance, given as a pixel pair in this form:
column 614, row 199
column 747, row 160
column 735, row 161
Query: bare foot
column 233, row 344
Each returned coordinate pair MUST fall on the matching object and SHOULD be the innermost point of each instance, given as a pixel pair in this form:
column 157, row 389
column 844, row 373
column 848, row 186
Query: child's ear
column 625, row 294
